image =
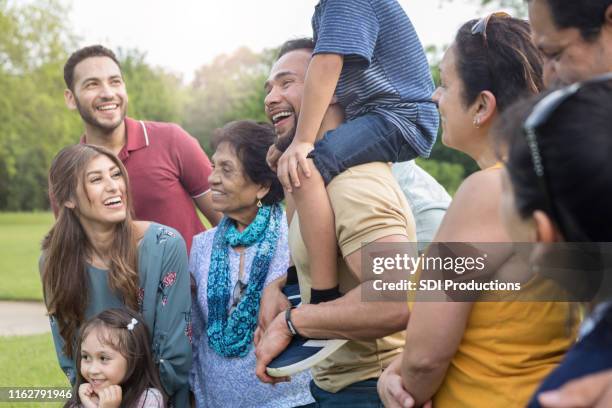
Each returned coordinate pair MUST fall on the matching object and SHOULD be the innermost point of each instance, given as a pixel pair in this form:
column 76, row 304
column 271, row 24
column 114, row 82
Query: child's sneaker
column 302, row 354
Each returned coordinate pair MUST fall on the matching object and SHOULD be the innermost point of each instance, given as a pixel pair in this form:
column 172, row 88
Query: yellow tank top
column 507, row 349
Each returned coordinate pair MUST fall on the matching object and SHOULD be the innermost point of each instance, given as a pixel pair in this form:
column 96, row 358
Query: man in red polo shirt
column 167, row 168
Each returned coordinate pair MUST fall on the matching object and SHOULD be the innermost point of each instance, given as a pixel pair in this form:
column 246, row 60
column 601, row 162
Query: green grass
column 29, row 361
column 20, row 238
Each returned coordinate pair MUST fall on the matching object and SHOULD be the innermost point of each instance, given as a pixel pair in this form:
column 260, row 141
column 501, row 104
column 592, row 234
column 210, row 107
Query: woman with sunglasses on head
column 232, row 264
column 97, row 257
column 467, row 353
column 557, row 189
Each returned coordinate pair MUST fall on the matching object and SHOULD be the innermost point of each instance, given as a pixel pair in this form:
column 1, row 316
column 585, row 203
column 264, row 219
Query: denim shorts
column 365, row 139
column 362, row 394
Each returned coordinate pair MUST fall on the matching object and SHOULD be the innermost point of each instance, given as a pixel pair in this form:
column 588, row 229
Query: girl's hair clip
column 131, row 324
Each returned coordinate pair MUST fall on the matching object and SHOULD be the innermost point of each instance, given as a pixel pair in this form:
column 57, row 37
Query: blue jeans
column 362, row 394
column 365, row 139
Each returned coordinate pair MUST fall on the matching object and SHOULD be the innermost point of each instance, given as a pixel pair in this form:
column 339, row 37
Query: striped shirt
column 385, row 69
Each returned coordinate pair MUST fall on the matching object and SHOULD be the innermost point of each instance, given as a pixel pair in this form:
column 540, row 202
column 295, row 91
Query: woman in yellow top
column 479, row 354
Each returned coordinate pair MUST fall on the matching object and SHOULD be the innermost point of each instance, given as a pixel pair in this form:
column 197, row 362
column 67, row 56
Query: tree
column 154, row 94
column 33, row 121
column 230, row 88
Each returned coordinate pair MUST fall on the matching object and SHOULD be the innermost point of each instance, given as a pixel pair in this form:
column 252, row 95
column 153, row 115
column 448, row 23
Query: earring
column 259, row 204
column 476, row 122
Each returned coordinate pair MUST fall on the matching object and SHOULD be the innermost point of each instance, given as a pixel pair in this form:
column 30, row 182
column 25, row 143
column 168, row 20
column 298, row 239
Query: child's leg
column 318, row 231
column 365, row 139
column 289, row 207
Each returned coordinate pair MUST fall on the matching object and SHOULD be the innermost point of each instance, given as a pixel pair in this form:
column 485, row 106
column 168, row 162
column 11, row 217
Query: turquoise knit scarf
column 231, row 335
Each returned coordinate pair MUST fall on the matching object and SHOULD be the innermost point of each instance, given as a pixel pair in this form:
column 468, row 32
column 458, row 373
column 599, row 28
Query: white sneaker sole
column 331, row 346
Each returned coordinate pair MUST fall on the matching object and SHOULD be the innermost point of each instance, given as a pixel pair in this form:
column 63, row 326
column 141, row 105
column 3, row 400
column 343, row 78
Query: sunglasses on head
column 539, row 116
column 480, row 27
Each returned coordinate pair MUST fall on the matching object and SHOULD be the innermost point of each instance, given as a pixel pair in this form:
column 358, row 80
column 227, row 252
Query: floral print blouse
column 164, row 300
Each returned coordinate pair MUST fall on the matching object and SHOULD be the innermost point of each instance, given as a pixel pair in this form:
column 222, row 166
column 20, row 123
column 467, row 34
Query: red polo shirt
column 167, row 169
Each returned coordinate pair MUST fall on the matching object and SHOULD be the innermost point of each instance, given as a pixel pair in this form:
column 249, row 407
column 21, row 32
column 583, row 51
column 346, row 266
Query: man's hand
column 272, row 157
column 110, row 397
column 273, row 342
column 294, row 156
column 593, row 390
column 88, row 397
column 390, row 387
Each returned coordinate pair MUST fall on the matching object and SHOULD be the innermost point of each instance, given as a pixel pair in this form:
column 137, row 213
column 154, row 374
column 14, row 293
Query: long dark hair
column 132, row 343
column 505, row 61
column 575, row 146
column 66, row 247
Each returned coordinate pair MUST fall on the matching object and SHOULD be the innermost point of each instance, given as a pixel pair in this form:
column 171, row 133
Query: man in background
column 575, row 38
column 167, row 168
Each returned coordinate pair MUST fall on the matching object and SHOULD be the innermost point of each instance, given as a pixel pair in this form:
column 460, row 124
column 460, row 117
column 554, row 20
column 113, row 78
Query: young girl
column 115, row 368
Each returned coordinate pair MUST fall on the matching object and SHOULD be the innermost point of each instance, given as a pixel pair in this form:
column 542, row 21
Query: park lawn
column 30, row 361
column 20, row 238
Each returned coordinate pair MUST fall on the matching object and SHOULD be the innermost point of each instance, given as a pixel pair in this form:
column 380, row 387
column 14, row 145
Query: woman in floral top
column 96, row 257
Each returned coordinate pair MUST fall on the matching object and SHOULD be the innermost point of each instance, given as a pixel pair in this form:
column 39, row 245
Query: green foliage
column 35, row 41
column 34, row 123
column 20, row 237
column 153, row 93
column 230, row 88
column 443, row 154
column 450, row 175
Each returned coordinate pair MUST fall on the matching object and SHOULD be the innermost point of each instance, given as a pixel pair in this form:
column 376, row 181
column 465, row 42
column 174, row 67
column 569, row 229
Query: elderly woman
column 97, row 257
column 232, row 264
column 479, row 354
